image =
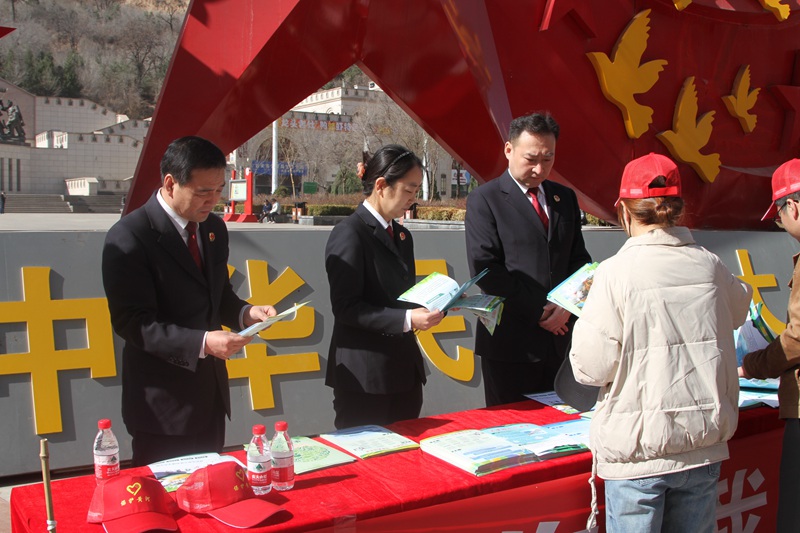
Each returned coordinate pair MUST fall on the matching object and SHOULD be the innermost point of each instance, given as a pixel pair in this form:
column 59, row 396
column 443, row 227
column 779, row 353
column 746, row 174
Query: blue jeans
column 682, row 502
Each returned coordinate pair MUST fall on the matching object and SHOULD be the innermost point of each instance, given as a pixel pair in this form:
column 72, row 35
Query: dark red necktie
column 390, row 231
column 533, row 192
column 191, row 227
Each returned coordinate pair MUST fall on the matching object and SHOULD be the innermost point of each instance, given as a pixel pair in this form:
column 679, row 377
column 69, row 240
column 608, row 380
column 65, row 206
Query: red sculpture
column 464, row 68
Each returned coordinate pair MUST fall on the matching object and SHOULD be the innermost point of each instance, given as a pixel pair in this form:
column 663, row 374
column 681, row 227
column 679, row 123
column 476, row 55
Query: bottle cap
column 281, row 425
column 259, row 429
column 104, row 423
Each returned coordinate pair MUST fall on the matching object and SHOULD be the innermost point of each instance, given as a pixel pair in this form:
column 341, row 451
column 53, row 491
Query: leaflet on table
column 369, row 441
column 289, row 314
column 173, row 472
column 750, row 398
column 310, row 455
column 488, row 450
column 753, row 335
column 552, row 399
column 770, row 384
column 548, row 441
column 572, row 292
column 477, row 451
column 438, row 291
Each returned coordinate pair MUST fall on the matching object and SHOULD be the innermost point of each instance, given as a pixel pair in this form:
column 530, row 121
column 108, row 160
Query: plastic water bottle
column 282, row 458
column 259, row 463
column 106, row 452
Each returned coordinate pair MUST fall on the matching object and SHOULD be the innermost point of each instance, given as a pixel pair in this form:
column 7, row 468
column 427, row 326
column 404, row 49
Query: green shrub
column 321, row 210
column 440, row 213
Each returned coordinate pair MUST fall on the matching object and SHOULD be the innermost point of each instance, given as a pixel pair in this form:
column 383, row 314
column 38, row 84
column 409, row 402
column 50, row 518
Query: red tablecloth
column 394, row 483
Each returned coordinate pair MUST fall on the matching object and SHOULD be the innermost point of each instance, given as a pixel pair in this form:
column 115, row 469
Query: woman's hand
column 422, row 319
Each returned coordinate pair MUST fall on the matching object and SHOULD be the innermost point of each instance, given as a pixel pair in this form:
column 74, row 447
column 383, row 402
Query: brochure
column 552, row 399
column 310, row 455
column 369, row 441
column 173, row 472
column 572, row 292
column 488, row 309
column 483, row 451
column 438, row 291
column 751, row 398
column 289, row 314
column 759, row 323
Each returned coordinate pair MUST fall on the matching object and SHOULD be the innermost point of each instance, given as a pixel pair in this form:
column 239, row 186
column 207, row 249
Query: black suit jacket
column 367, row 271
column 505, row 235
column 161, row 304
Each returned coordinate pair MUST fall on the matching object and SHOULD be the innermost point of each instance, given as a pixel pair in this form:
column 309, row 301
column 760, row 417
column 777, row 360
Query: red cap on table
column 132, row 504
column 221, row 490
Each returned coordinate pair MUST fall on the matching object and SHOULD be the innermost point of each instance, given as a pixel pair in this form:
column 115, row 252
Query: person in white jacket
column 656, row 335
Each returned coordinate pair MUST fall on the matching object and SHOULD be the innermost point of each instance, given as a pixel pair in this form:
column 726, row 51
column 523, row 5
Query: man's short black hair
column 540, row 123
column 187, row 154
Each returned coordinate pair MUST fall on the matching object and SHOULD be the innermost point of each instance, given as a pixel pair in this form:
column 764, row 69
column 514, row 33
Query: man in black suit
column 526, row 230
column 165, row 275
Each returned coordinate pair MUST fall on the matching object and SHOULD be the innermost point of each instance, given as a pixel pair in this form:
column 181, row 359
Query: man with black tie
column 527, row 231
column 165, row 275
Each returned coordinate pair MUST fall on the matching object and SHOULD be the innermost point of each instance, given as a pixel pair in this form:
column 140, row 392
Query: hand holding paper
column 289, row 314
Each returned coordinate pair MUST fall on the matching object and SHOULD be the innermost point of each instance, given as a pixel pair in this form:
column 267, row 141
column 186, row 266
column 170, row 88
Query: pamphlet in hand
column 488, row 309
column 171, row 473
column 754, row 335
column 438, row 291
column 289, row 314
column 369, row 441
column 572, row 292
column 441, row 292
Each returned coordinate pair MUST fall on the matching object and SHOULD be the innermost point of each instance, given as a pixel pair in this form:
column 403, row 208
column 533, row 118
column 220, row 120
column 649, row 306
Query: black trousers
column 789, row 484
column 151, row 447
column 509, row 381
column 360, row 408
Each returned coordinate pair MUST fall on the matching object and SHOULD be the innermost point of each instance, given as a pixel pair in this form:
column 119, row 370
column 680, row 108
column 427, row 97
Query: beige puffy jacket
column 656, row 334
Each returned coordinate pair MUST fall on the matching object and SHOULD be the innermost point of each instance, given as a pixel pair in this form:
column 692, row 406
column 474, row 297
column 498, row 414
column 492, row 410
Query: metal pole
column 48, row 497
column 274, row 157
column 425, row 172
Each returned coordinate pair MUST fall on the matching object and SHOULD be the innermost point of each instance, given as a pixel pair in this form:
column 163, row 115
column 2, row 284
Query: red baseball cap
column 640, row 173
column 221, row 490
column 785, row 181
column 132, row 504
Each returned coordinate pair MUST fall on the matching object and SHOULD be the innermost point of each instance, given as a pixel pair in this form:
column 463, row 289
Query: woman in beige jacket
column 656, row 334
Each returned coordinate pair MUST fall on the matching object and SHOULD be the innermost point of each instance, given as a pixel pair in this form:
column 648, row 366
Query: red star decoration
column 463, row 68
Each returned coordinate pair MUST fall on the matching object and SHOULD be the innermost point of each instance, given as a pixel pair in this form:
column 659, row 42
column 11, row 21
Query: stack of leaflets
column 441, row 292
column 311, row 455
column 572, row 292
column 173, row 472
column 369, row 441
column 482, row 451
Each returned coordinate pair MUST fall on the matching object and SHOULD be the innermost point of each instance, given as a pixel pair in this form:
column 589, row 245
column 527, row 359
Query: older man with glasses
column 781, row 358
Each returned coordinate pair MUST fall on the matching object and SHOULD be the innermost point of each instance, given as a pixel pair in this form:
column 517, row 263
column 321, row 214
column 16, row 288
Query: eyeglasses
column 778, row 220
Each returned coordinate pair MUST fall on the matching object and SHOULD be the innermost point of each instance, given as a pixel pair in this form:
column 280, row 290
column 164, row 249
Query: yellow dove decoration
column 780, row 10
column 689, row 134
column 622, row 76
column 742, row 100
column 680, row 5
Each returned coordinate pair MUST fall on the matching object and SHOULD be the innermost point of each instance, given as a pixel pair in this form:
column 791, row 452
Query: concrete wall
column 60, row 363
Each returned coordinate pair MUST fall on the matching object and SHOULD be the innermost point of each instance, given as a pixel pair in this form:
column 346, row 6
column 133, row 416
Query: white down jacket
column 656, row 334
